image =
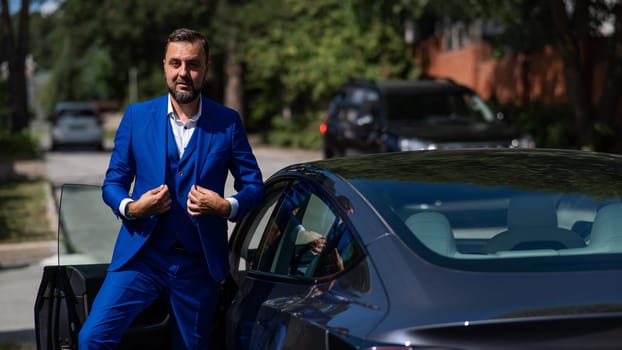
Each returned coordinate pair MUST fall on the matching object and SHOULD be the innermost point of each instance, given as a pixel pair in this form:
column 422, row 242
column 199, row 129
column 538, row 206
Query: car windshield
column 437, row 107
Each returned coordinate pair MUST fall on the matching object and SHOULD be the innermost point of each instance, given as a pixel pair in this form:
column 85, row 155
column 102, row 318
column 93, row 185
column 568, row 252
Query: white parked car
column 77, row 124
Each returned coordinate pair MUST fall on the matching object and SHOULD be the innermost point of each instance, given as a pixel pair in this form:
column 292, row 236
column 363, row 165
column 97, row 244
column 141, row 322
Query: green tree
column 275, row 55
column 572, row 27
column 298, row 53
column 597, row 120
column 93, row 54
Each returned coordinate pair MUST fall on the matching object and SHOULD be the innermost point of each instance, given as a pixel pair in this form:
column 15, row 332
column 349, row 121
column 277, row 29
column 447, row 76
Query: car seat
column 606, row 235
column 433, row 230
column 532, row 224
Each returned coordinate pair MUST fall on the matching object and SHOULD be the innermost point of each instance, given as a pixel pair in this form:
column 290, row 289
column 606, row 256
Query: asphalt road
column 19, row 284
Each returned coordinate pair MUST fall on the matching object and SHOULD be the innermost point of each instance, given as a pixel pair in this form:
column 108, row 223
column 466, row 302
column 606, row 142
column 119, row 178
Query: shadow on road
column 18, row 340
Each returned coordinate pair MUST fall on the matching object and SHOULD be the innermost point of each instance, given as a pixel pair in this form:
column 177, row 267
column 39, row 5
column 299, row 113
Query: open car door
column 86, row 236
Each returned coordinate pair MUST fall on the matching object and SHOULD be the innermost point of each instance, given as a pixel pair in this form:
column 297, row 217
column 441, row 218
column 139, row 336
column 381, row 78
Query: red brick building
column 514, row 78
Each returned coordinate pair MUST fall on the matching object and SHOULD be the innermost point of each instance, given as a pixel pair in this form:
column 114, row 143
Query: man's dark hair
column 188, row 35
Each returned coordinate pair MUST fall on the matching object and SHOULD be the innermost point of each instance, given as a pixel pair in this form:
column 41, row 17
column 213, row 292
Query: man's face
column 185, row 70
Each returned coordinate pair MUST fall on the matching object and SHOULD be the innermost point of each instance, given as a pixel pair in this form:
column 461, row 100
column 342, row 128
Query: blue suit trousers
column 181, row 278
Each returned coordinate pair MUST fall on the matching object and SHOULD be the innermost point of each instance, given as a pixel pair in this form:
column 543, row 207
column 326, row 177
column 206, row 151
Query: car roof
column 74, row 105
column 412, row 86
column 597, row 172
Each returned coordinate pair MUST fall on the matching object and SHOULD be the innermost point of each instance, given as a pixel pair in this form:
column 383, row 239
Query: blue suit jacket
column 140, row 153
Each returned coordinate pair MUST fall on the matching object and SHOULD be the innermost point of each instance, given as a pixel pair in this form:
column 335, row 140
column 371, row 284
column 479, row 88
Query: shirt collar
column 171, row 112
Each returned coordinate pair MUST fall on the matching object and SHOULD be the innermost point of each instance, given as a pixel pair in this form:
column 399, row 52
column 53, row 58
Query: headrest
column 433, row 230
column 607, row 228
column 536, row 211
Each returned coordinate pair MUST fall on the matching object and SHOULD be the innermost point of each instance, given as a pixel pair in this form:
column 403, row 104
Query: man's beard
column 185, row 97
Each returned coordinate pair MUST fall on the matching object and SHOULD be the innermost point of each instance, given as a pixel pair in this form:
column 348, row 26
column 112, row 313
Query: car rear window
column 477, row 226
column 434, row 106
column 78, row 113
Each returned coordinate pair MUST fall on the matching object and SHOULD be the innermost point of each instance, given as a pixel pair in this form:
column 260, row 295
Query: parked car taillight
column 323, row 128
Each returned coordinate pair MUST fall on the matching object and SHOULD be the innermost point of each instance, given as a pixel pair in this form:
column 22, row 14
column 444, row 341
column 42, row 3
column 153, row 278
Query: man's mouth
column 183, row 84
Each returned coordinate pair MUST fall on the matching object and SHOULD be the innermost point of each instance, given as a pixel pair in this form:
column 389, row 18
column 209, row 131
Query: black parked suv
column 371, row 116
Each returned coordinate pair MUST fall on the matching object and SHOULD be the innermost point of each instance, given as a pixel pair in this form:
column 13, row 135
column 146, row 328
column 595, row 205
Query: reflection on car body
column 463, row 249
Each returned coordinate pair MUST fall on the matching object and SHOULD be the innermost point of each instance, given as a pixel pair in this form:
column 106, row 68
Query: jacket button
column 180, row 173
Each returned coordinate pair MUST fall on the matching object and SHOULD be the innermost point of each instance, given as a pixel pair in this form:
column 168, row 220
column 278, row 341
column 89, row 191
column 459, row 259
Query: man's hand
column 317, row 245
column 314, row 241
column 203, row 201
column 152, row 202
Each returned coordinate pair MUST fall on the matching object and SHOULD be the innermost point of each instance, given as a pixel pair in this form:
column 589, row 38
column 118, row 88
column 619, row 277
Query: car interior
column 533, row 230
column 477, row 222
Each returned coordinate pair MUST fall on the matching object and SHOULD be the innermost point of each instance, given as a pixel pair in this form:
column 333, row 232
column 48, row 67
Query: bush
column 23, row 211
column 299, row 133
column 13, row 146
column 550, row 126
column 18, row 146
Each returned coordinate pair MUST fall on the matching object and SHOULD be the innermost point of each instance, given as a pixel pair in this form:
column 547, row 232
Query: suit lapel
column 203, row 137
column 156, row 132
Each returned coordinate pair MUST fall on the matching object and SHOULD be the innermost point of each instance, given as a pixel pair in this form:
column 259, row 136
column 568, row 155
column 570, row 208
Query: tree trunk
column 577, row 86
column 609, row 106
column 234, row 89
column 17, row 64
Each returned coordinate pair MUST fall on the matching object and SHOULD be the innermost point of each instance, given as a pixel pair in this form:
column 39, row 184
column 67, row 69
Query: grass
column 17, row 346
column 23, row 211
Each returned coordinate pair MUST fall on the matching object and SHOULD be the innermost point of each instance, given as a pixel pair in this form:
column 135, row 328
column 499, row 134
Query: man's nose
column 183, row 69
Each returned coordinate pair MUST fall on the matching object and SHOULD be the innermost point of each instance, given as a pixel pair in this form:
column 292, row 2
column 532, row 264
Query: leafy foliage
column 294, row 54
column 96, row 43
column 23, row 211
column 13, row 145
column 21, row 145
column 315, row 46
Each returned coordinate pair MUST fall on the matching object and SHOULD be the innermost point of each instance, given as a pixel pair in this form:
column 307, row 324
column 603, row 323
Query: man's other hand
column 203, row 201
column 152, row 202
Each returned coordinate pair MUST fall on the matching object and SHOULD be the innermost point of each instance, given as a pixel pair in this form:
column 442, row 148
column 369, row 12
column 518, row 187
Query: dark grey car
column 464, row 249
column 371, row 116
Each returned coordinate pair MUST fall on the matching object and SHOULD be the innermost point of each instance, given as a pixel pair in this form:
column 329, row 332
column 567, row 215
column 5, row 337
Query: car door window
column 256, row 226
column 304, row 236
column 87, row 227
column 287, row 232
column 257, row 229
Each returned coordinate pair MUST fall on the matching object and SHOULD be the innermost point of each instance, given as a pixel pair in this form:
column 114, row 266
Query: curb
column 15, row 255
